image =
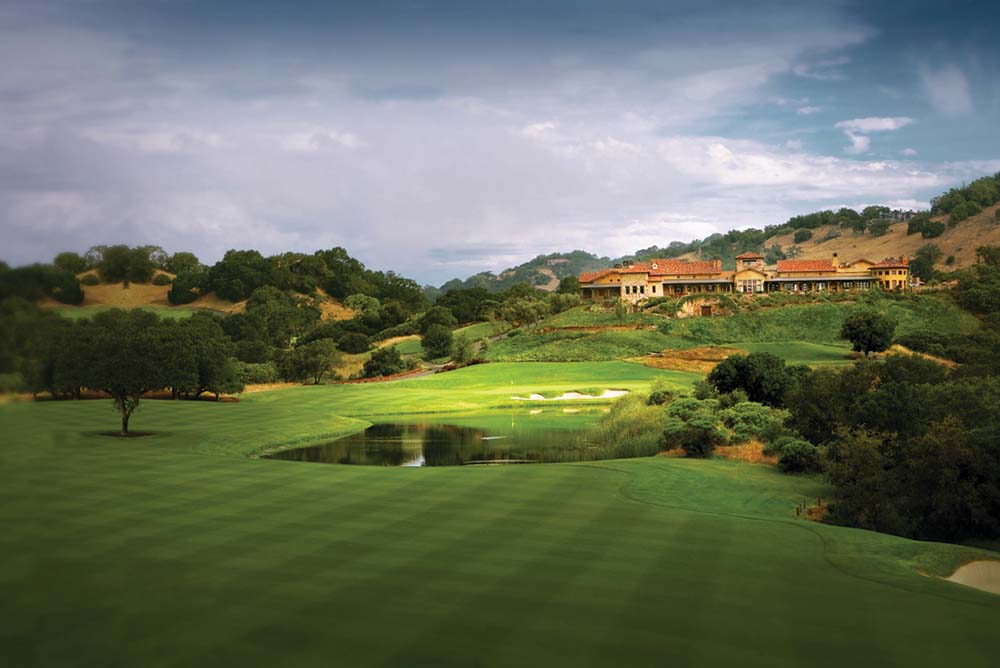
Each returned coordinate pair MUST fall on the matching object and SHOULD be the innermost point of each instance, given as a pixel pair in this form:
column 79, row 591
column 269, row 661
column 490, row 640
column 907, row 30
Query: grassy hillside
column 152, row 552
column 807, row 333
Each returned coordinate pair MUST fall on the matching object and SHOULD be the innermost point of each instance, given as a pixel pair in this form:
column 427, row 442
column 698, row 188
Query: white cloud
column 859, row 143
column 947, row 90
column 537, row 130
column 794, row 144
column 856, row 129
column 808, row 110
column 317, row 140
column 874, row 124
column 154, row 138
column 822, row 70
column 909, row 152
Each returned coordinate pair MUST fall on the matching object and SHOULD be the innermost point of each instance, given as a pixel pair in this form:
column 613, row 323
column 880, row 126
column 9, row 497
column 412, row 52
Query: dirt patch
column 696, row 360
column 266, row 387
column 983, row 575
column 902, row 350
column 751, row 452
column 397, row 339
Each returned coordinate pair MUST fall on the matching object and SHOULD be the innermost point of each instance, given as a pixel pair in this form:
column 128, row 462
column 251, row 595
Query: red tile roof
column 749, row 256
column 805, row 265
column 659, row 268
column 892, row 263
column 591, row 276
column 666, row 267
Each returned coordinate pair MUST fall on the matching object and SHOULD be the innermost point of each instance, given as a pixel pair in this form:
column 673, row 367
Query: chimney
column 836, row 261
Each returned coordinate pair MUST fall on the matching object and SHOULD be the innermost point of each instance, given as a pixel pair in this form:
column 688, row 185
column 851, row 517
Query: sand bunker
column 983, row 575
column 607, row 394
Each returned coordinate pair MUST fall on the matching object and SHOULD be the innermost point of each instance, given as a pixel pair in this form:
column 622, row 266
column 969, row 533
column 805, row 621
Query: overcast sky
column 439, row 139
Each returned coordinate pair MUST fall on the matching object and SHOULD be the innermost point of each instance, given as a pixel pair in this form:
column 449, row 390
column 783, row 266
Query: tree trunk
column 125, row 417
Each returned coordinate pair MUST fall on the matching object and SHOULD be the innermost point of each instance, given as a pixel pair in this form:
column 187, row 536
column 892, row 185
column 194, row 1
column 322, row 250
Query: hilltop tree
column 868, row 331
column 69, row 262
column 183, row 262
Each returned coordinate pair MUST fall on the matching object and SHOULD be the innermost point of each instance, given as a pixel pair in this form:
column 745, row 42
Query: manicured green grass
column 800, row 352
column 150, row 551
column 78, row 312
column 478, row 330
column 410, row 347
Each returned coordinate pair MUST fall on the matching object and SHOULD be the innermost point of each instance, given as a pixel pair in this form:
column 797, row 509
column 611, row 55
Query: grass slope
column 144, row 552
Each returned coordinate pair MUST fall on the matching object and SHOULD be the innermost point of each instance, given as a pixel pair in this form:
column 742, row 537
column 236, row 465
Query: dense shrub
column 868, row 331
column 385, row 362
column 162, row 279
column 692, row 425
column 436, row 342
column 354, row 343
column 749, row 420
column 798, row 456
column 802, row 235
column 90, row 279
column 763, row 376
column 253, row 373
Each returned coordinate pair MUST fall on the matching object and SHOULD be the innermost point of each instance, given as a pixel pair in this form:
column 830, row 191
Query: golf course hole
column 983, row 575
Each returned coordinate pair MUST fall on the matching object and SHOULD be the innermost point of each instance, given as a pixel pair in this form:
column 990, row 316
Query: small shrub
column 705, row 390
column 90, row 279
column 802, row 235
column 951, row 258
column 800, row 457
column 730, row 399
column 660, row 394
column 162, row 279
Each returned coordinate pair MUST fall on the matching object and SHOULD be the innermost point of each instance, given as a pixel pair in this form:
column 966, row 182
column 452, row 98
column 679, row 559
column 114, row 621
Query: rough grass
column 151, row 552
column 579, row 346
column 595, row 316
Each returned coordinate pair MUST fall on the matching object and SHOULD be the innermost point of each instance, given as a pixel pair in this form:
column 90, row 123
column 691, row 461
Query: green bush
column 749, row 420
column 162, row 279
column 385, row 362
column 692, row 425
column 252, row 373
column 802, row 235
column 90, row 279
column 800, row 457
column 436, row 342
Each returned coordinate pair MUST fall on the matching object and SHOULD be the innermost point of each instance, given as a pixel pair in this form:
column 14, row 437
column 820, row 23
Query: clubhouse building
column 638, row 281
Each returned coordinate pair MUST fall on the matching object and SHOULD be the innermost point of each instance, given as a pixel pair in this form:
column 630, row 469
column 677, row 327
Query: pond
column 510, row 439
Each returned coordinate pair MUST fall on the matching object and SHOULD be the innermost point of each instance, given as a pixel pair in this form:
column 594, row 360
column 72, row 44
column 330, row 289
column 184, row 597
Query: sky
column 439, row 139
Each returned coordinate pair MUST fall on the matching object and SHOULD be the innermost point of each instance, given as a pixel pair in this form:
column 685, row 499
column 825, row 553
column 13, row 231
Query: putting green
column 149, row 552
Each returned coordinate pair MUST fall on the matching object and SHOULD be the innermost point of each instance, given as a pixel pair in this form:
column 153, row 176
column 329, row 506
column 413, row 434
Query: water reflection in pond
column 439, row 444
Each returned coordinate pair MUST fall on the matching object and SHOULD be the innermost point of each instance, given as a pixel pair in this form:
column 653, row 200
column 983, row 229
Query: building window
column 642, row 289
column 653, row 288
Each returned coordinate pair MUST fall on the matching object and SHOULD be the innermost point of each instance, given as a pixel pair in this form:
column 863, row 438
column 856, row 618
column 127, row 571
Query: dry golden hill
column 138, row 295
column 961, row 241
